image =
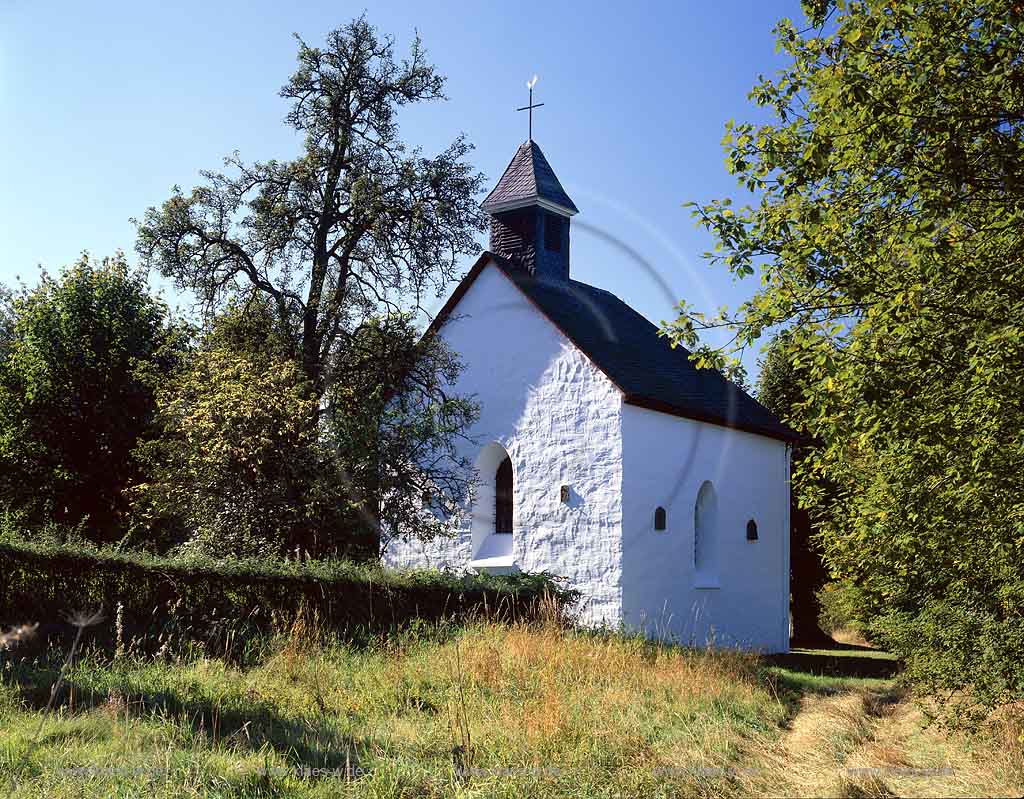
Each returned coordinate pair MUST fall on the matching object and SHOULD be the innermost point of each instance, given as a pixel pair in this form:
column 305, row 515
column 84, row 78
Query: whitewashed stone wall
column 559, row 418
column 562, row 422
column 666, row 460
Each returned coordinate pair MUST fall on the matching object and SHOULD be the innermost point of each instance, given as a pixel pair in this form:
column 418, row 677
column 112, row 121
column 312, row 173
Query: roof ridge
column 591, row 286
column 635, row 359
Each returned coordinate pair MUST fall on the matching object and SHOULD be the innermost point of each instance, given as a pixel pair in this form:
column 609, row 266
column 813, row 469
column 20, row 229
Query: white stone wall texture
column 563, row 422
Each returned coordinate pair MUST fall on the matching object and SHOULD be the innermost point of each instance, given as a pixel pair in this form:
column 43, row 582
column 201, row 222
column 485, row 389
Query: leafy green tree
column 82, row 356
column 236, row 471
column 887, row 230
column 779, row 389
column 6, row 320
column 358, row 228
column 396, row 425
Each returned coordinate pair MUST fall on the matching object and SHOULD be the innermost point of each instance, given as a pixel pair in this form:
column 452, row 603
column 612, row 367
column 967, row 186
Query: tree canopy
column 357, row 225
column 83, row 353
column 886, row 229
column 236, row 471
column 332, row 251
column 396, row 425
column 780, row 388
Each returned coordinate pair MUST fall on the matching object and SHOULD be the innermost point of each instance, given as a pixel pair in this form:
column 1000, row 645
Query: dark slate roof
column 627, row 348
column 528, row 177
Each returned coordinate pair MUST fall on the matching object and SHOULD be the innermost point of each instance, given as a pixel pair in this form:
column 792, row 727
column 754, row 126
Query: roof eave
column 438, row 321
column 525, row 202
column 651, row 404
column 486, row 257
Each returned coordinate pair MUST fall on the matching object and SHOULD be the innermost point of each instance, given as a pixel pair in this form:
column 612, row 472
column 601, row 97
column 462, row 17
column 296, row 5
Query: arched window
column 705, row 534
column 491, row 531
column 503, row 497
column 659, row 518
column 751, row 530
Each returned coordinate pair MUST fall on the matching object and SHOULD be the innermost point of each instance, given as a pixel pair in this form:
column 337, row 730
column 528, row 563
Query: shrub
column 80, row 357
column 982, row 653
column 841, row 608
column 238, row 470
column 202, row 598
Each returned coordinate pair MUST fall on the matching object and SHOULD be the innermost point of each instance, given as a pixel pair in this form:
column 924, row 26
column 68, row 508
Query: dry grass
column 484, row 711
column 849, row 637
column 874, row 743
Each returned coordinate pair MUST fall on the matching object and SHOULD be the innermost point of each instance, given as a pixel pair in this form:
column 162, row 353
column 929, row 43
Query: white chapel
column 602, row 454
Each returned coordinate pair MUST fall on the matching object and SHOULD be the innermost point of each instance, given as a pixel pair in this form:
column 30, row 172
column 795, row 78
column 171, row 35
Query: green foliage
column 887, row 234
column 358, row 225
column 197, row 597
column 239, row 468
column 781, row 388
column 82, row 356
column 947, row 638
column 842, row 607
column 249, row 462
column 236, row 470
column 331, row 252
column 394, row 425
column 780, row 383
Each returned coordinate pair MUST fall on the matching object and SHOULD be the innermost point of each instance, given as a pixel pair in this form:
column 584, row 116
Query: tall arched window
column 503, row 497
column 705, row 535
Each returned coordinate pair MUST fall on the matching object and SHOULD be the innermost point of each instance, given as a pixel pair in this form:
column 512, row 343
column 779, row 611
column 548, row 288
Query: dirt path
column 873, row 743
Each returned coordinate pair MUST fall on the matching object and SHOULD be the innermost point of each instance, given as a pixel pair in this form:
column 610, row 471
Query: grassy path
column 857, row 736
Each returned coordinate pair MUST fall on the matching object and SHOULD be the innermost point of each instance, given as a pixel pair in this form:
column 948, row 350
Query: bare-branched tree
column 358, row 225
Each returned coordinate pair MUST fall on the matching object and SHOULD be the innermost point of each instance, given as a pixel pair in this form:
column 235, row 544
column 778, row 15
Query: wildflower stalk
column 80, row 621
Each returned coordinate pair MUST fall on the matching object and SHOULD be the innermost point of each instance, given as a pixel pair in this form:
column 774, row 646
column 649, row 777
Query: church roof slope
column 527, row 179
column 627, row 348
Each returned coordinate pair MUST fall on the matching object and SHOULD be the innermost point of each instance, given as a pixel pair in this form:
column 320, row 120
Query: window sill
column 501, row 564
column 707, row 583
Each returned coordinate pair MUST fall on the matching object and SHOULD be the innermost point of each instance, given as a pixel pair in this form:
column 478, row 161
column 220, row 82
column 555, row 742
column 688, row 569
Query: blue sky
column 105, row 106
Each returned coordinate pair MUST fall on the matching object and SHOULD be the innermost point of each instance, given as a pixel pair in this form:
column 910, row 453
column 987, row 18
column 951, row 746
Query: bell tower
column 530, row 216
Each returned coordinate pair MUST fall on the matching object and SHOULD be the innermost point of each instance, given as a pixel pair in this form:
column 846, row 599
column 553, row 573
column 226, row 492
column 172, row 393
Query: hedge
column 151, row 595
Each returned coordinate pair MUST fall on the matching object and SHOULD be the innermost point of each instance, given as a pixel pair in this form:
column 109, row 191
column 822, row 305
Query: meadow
column 481, row 710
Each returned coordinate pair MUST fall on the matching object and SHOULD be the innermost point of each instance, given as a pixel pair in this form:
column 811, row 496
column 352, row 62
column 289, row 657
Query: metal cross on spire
column 531, row 106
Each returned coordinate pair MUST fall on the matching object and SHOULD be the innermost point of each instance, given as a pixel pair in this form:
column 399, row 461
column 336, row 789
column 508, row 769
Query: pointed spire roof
column 529, row 180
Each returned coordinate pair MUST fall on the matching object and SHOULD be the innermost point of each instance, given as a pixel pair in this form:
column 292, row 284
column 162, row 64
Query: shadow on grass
column 855, row 662
column 802, row 672
column 247, row 722
column 232, row 641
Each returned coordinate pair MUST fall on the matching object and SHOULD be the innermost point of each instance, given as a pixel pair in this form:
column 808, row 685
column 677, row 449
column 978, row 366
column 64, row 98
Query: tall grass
column 481, row 709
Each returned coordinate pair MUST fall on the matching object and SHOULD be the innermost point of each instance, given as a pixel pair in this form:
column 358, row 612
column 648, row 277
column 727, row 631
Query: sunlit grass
column 486, row 710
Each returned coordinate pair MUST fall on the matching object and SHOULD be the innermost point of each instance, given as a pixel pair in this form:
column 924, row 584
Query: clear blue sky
column 105, row 106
